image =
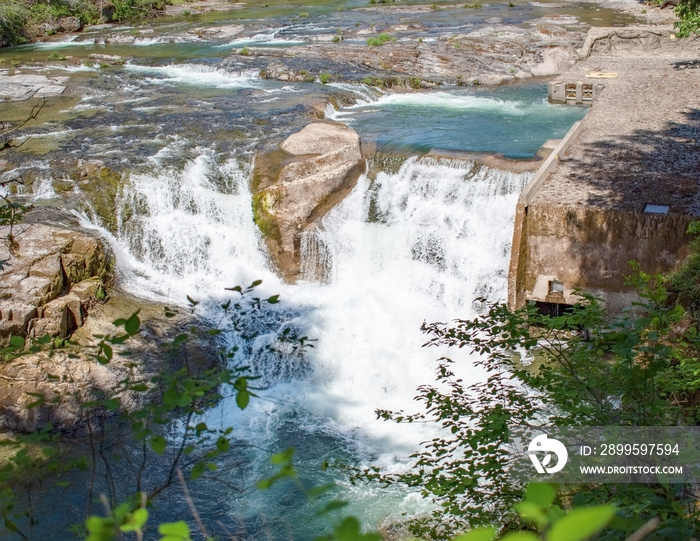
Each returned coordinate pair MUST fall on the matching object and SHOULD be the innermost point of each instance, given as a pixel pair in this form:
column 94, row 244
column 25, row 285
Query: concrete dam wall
column 623, row 184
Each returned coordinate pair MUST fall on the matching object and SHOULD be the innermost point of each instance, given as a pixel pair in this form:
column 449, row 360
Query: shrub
column 381, row 39
column 13, row 17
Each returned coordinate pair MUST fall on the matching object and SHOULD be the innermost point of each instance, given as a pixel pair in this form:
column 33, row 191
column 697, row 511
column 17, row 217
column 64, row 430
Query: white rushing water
column 418, row 245
column 198, row 75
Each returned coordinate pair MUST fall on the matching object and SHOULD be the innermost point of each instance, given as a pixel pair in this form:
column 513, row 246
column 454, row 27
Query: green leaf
column 283, row 458
column 256, row 283
column 133, row 324
column 480, row 534
column 197, row 471
column 222, row 444
column 136, row 521
column 158, row 444
column 333, row 506
column 176, row 531
column 16, row 341
column 531, row 512
column 107, row 350
column 349, row 530
column 580, row 524
column 520, row 536
column 543, row 494
column 274, row 299
column 111, row 404
column 242, row 399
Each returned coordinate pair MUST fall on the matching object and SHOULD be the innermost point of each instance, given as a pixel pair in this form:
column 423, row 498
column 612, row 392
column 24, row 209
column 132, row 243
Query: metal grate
column 587, row 93
column 571, row 92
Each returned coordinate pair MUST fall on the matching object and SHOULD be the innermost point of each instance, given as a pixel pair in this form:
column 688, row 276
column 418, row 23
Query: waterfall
column 188, row 231
column 418, row 245
column 421, row 244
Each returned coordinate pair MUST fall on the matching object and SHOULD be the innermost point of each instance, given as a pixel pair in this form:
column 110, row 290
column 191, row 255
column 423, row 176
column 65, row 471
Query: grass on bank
column 22, row 20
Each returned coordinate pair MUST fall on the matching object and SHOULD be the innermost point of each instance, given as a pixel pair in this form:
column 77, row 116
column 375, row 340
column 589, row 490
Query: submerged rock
column 312, row 171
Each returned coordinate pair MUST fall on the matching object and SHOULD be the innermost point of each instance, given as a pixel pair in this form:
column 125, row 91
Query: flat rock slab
column 24, row 86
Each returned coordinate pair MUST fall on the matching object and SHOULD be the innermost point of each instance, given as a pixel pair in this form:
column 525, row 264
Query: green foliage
column 20, row 21
column 128, row 10
column 174, row 531
column 684, row 284
column 13, row 18
column 587, row 369
column 349, row 530
column 415, row 82
column 381, row 39
column 149, row 407
column 688, row 12
column 325, row 77
column 244, row 51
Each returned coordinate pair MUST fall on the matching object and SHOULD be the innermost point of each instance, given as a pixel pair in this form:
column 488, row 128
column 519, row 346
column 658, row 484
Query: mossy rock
column 262, row 202
column 101, row 189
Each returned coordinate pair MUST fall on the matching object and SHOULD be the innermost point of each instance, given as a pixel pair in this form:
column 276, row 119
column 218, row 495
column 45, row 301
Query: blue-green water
column 512, row 121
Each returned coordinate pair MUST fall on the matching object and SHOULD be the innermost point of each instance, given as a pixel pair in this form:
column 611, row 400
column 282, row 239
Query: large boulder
column 296, row 185
column 48, row 280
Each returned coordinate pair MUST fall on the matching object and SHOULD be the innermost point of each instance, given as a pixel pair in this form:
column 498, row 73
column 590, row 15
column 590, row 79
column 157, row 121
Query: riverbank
column 628, row 185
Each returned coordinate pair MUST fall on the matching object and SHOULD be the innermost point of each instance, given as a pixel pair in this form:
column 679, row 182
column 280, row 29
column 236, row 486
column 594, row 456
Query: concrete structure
column 579, row 93
column 624, row 183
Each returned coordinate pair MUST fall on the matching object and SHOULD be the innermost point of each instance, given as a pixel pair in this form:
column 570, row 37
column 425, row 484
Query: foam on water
column 48, row 45
column 269, row 39
column 146, row 42
column 198, row 75
column 444, row 100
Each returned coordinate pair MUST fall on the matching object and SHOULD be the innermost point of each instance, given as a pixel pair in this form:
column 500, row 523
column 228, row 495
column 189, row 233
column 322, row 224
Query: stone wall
column 589, row 248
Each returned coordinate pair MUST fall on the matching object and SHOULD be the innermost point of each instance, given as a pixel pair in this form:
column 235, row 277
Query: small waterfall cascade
column 437, row 227
column 188, row 230
column 418, row 245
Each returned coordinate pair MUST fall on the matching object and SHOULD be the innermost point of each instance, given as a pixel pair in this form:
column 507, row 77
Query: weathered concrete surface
column 314, row 169
column 588, row 248
column 48, row 280
column 638, row 144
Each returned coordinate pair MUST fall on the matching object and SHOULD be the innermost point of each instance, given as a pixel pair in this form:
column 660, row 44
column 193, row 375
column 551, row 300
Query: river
column 181, row 120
